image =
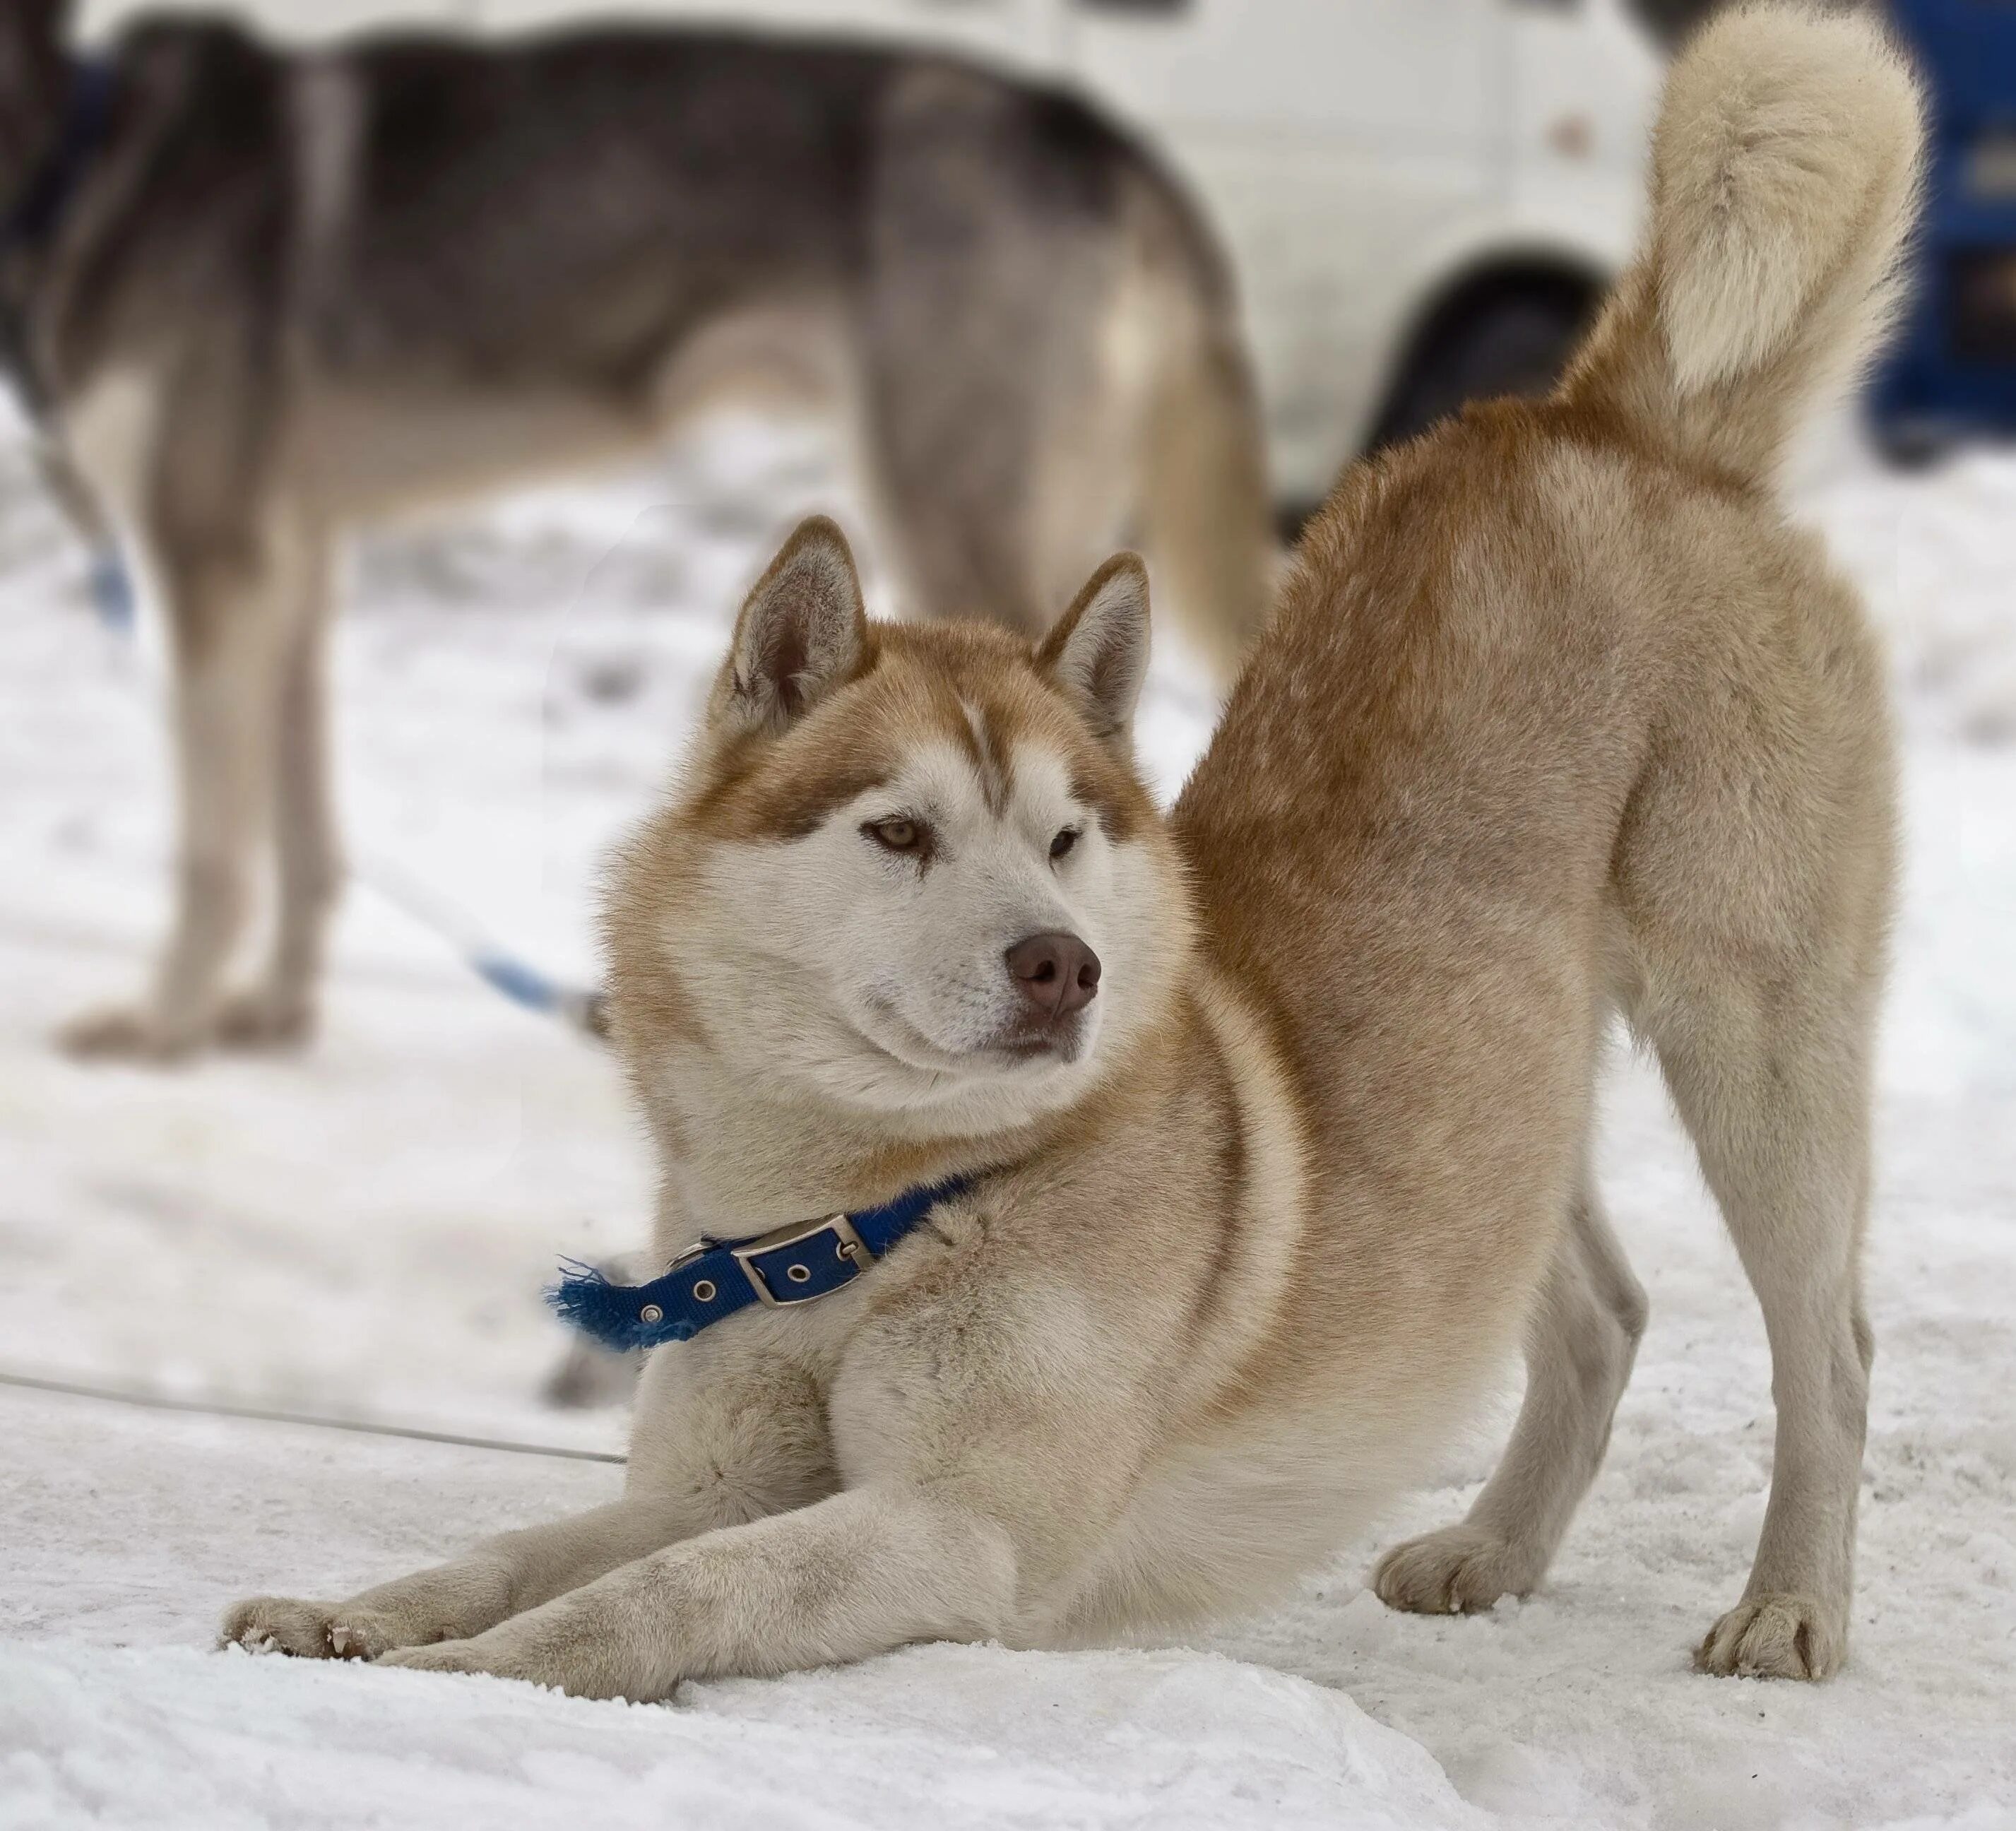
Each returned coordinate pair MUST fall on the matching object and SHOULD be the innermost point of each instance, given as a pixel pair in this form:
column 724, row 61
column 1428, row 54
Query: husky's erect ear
column 1098, row 650
column 802, row 631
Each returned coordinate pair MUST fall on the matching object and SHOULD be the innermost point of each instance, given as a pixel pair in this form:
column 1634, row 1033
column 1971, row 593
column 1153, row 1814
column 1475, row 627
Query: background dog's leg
column 951, row 511
column 982, row 376
column 1772, row 1078
column 1581, row 1341
column 280, row 1008
column 227, row 601
column 861, row 1573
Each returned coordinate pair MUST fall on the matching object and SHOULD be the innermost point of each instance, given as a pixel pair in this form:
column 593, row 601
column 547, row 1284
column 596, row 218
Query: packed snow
column 361, row 1231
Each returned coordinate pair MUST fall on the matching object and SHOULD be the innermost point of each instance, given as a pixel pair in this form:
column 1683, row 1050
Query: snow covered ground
column 362, row 1232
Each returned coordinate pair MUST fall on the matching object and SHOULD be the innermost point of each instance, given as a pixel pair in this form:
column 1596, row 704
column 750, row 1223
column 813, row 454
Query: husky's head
column 908, row 870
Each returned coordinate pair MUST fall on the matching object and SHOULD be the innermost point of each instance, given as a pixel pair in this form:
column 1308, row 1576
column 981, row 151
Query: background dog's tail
column 1784, row 180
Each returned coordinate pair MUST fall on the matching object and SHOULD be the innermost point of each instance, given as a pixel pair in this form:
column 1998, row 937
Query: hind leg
column 228, row 601
column 992, row 429
column 1771, row 1076
column 1003, row 521
column 1754, row 869
column 280, row 1007
column 1581, row 1342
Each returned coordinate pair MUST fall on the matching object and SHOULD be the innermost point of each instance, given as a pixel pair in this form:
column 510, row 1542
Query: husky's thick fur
column 1558, row 718
column 286, row 295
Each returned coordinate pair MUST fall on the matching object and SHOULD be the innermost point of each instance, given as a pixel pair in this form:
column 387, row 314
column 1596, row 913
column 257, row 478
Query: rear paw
column 266, row 1020
column 1457, row 1570
column 1777, row 1636
column 308, row 1630
column 128, row 1033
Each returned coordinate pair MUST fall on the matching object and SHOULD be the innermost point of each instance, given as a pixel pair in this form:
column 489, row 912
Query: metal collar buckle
column 847, row 1244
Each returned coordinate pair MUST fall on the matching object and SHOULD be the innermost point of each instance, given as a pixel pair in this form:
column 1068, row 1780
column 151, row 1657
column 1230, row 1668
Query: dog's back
column 1496, row 643
column 576, row 202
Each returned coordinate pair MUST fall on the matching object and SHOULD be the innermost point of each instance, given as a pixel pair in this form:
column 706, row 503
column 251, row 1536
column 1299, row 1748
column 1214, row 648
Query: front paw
column 1458, row 1570
column 537, row 1652
column 310, row 1629
column 497, row 1654
column 443, row 1655
column 131, row 1033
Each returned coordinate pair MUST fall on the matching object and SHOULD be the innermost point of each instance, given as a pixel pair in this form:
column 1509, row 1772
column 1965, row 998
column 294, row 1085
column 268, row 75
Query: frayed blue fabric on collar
column 713, row 1280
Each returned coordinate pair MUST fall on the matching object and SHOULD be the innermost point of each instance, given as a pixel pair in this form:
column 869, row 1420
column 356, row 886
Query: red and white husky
column 1275, row 1111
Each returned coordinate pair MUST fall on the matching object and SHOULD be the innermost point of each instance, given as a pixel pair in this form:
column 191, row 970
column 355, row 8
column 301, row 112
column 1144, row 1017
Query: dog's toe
column 1775, row 1637
column 1455, row 1571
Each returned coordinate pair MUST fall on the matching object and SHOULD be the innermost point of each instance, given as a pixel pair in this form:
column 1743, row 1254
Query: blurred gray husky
column 256, row 299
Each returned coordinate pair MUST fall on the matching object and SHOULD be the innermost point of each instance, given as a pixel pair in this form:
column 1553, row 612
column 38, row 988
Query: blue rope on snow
column 525, row 985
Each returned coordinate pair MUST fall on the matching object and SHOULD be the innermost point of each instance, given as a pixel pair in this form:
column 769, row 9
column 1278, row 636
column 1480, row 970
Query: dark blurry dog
column 257, row 299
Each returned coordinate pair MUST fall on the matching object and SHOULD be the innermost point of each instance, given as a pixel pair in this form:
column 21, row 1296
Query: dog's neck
column 738, row 1157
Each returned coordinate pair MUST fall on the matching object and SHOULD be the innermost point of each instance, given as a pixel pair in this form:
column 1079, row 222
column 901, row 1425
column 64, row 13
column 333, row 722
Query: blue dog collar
column 714, row 1278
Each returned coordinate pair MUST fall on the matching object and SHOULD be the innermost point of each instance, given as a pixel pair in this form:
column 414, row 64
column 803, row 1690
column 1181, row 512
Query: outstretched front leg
column 704, row 1454
column 513, row 1571
column 859, row 1574
column 975, row 1493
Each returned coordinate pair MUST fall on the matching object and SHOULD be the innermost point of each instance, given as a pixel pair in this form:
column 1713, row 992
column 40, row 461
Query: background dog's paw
column 307, row 1630
column 1454, row 1571
column 1776, row 1636
column 127, row 1033
column 266, row 1020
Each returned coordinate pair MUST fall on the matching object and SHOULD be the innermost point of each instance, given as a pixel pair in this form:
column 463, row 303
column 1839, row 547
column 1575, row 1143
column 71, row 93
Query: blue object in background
column 111, row 588
column 1953, row 372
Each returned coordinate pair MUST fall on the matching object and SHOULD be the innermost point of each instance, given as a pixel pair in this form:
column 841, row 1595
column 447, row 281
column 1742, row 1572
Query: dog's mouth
column 1007, row 1053
column 1060, row 1041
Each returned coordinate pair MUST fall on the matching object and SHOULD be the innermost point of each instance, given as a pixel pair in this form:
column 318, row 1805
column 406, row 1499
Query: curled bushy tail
column 1784, row 180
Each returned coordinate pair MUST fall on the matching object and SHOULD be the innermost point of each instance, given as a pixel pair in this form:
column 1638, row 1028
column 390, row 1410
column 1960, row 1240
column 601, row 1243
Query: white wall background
column 1008, row 23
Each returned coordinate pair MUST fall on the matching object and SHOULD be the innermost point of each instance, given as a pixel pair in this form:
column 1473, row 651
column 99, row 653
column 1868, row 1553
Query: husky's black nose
column 1057, row 973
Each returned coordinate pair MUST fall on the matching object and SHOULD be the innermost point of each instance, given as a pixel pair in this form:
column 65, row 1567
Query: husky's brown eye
column 899, row 836
column 1063, row 842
